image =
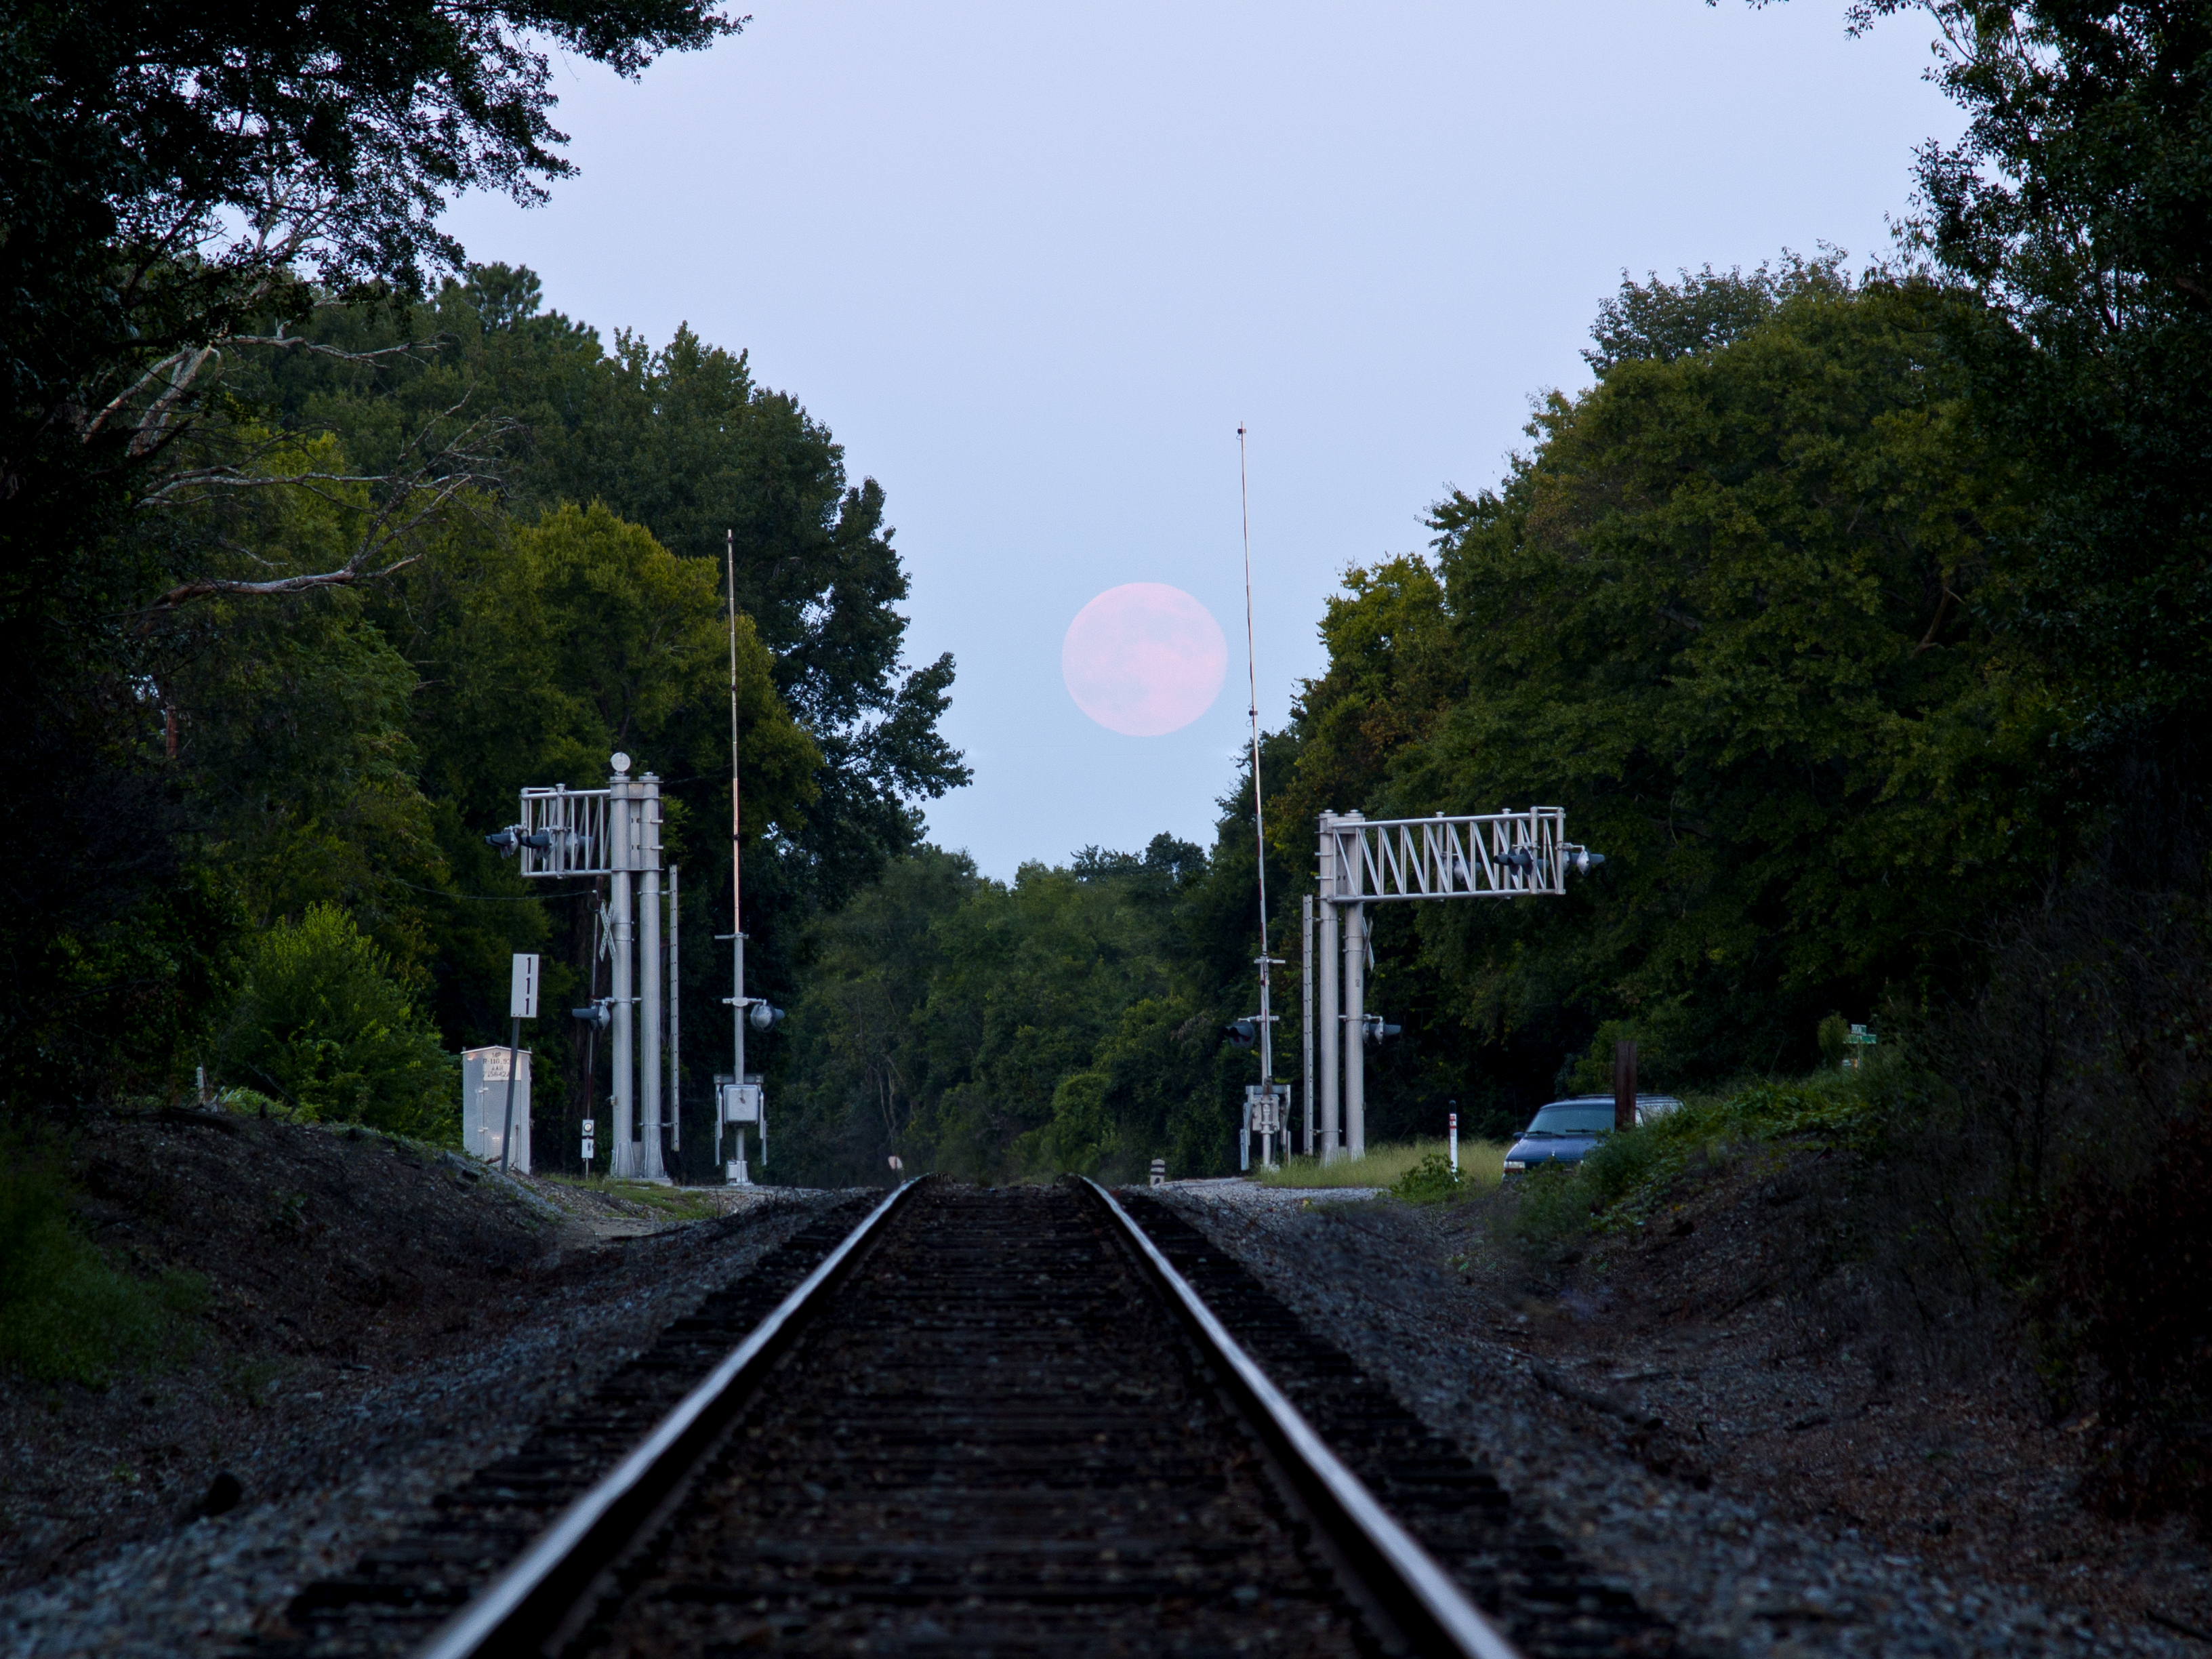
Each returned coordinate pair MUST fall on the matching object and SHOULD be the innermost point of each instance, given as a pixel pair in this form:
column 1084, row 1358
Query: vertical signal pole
column 1306, row 1022
column 736, row 856
column 1259, row 821
column 675, row 1023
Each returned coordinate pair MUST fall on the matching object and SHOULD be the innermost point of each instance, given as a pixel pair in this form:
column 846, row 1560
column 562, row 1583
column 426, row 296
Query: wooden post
column 1623, row 1085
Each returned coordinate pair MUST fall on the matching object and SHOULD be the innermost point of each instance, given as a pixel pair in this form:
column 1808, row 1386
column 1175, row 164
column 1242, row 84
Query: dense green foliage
column 318, row 544
column 1727, row 614
column 178, row 185
column 1060, row 1021
column 321, row 1025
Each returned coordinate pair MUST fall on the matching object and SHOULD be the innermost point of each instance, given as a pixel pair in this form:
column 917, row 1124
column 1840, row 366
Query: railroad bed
column 997, row 1421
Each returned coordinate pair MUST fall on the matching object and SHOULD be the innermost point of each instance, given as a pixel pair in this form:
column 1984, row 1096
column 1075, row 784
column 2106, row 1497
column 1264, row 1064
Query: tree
column 685, row 442
column 323, row 1027
column 180, row 185
column 993, row 1030
column 1728, row 615
column 2078, row 205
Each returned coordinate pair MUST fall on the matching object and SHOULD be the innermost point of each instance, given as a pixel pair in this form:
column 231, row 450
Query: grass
column 1480, row 1162
column 67, row 1313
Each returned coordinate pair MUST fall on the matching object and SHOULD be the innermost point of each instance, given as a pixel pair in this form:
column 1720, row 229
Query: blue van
column 1563, row 1133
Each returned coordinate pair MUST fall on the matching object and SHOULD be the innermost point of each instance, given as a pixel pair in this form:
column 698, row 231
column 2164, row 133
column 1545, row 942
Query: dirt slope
column 364, row 1297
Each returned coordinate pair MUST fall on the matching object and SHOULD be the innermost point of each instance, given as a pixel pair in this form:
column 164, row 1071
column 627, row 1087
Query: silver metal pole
column 514, row 1065
column 621, row 1160
column 675, row 1043
column 648, row 1022
column 1306, row 1019
column 1330, row 1028
column 1355, row 1030
column 736, row 1170
column 743, row 1175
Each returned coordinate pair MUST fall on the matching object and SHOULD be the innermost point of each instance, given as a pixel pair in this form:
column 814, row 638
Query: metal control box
column 483, row 1105
column 1268, row 1107
column 741, row 1102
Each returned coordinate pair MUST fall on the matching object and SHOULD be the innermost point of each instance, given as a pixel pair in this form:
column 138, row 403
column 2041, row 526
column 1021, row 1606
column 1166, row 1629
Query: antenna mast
column 1259, row 817
column 737, row 1171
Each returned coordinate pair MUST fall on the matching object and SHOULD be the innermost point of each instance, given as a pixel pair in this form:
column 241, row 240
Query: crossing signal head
column 1242, row 1033
column 597, row 1015
column 1582, row 861
column 507, row 840
column 762, row 1018
column 1375, row 1028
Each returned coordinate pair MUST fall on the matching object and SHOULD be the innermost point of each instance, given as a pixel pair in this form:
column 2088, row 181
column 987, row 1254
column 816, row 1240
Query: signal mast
column 1265, row 1101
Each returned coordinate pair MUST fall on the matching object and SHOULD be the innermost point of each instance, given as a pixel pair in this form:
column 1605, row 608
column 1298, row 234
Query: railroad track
column 985, row 1422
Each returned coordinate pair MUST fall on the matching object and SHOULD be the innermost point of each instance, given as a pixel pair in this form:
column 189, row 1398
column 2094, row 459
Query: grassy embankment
column 69, row 1312
column 1480, row 1162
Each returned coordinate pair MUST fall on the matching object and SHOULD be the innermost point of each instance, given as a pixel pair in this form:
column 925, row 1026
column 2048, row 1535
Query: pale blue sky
column 1032, row 265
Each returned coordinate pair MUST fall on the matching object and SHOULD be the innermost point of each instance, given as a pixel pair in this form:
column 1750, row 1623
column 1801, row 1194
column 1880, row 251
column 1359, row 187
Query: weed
column 67, row 1313
column 251, row 1382
column 1432, row 1181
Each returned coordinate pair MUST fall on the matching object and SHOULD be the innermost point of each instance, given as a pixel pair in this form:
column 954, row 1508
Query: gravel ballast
column 336, row 1423
column 1624, row 1446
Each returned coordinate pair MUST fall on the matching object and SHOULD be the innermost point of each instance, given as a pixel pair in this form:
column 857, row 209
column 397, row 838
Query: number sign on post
column 522, row 999
column 521, row 1004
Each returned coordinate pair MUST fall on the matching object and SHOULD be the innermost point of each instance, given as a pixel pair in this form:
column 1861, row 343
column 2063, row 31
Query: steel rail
column 1431, row 1612
column 528, row 1601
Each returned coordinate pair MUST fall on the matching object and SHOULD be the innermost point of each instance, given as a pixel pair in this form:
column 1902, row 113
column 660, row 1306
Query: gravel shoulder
column 1768, row 1492
column 383, row 1319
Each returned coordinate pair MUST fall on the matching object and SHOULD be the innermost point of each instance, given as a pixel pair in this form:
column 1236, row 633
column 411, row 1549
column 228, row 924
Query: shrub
column 323, row 1027
column 67, row 1314
column 1432, row 1181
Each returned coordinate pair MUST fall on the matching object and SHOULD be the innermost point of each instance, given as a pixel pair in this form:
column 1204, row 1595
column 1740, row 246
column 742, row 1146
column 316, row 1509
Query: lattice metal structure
column 616, row 832
column 1505, row 854
column 564, row 832
column 1484, row 855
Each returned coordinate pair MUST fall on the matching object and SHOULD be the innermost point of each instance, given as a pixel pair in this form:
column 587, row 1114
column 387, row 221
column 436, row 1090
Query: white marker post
column 521, row 1004
column 1453, row 1119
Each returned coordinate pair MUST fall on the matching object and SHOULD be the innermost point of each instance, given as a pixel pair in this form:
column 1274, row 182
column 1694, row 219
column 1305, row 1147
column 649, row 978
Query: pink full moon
column 1144, row 660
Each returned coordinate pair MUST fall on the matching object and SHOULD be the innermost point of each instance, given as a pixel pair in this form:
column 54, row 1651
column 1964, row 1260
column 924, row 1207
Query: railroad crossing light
column 1375, row 1028
column 1242, row 1033
column 597, row 1015
column 762, row 1018
column 1519, row 858
column 1582, row 861
column 511, row 841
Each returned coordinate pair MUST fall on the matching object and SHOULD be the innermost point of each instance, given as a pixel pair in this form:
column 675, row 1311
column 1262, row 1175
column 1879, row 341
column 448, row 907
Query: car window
column 1573, row 1117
